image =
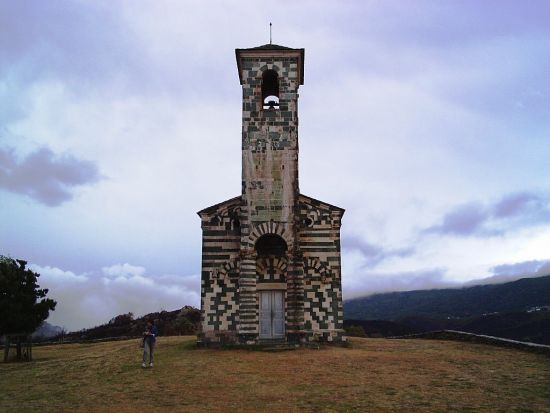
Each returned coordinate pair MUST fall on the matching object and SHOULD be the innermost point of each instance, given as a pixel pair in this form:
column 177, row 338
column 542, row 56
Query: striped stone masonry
column 270, row 243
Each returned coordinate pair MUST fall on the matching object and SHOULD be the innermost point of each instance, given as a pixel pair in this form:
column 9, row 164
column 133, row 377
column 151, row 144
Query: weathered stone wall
column 270, row 142
column 313, row 294
column 220, row 270
column 320, row 246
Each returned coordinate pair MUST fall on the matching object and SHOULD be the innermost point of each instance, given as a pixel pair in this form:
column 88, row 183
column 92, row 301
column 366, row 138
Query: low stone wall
column 478, row 338
column 77, row 341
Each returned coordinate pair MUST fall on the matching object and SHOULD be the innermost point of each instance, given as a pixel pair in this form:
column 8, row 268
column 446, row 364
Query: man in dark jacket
column 149, row 339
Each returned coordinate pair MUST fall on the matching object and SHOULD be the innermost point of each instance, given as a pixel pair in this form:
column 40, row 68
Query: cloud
column 44, row 176
column 519, row 268
column 38, row 45
column 428, row 115
column 465, row 219
column 510, row 212
column 513, row 204
column 544, row 269
column 123, row 270
column 528, row 204
column 511, row 272
column 374, row 254
column 93, row 298
column 54, row 275
column 380, row 282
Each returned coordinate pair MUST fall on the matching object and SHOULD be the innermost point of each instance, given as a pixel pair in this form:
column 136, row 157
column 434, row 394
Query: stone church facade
column 271, row 267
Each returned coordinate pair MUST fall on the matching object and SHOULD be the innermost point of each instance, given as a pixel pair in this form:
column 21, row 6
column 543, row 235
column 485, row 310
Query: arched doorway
column 271, row 248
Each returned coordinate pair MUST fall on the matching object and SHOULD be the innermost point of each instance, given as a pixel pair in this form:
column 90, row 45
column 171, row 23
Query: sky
column 428, row 121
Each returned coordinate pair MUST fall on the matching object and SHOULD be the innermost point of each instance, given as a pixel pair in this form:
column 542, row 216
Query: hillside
column 178, row 322
column 377, row 328
column 502, row 310
column 372, row 375
column 516, row 296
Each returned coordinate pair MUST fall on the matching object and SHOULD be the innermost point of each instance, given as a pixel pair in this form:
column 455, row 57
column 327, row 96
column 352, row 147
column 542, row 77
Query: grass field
column 373, row 375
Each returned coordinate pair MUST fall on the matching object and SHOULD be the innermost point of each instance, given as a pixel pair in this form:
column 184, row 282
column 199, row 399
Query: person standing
column 149, row 340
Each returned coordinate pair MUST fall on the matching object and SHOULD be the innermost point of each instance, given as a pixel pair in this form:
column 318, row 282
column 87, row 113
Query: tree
column 355, row 331
column 23, row 304
column 122, row 319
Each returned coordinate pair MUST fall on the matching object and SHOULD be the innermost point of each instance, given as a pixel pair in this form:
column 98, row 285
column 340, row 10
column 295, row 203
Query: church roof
column 214, row 208
column 271, row 50
column 269, row 46
column 320, row 204
column 238, row 200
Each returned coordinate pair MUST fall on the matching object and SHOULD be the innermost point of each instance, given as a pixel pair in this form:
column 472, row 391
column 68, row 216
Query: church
column 271, row 265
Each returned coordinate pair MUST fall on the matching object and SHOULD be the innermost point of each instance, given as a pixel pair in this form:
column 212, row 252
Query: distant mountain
column 516, row 296
column 518, row 310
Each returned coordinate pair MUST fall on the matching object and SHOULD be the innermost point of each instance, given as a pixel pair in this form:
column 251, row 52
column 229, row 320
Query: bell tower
column 270, row 76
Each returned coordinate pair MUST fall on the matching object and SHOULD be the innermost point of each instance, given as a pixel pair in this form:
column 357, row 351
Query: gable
column 221, row 208
column 319, row 214
column 312, row 203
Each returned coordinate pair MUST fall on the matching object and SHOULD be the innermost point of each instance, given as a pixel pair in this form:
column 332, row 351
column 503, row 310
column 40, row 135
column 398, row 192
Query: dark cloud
column 374, row 282
column 374, row 253
column 521, row 203
column 511, row 211
column 367, row 249
column 45, row 177
column 513, row 204
column 511, row 272
column 465, row 219
column 524, row 267
column 61, row 38
column 61, row 41
column 543, row 270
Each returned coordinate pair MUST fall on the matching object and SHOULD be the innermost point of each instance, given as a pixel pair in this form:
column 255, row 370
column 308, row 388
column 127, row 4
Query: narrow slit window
column 270, row 89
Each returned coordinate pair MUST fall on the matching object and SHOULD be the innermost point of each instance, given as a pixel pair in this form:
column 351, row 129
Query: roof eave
column 215, row 206
column 337, row 208
column 258, row 52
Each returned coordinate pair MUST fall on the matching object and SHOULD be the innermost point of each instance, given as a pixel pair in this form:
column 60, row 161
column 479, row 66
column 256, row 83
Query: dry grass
column 374, row 375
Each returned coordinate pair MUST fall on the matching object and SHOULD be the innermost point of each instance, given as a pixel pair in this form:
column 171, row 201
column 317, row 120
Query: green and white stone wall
column 310, row 270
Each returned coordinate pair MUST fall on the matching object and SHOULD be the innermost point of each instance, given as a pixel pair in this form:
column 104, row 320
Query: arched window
column 270, row 90
column 271, row 245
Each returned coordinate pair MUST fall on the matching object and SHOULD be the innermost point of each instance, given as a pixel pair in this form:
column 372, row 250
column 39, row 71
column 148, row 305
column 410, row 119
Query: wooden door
column 272, row 314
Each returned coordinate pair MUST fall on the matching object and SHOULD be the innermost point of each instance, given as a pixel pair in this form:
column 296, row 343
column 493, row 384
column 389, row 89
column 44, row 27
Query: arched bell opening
column 270, row 90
